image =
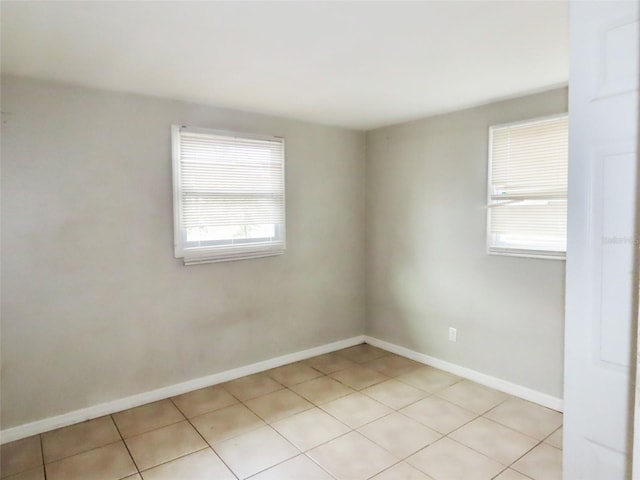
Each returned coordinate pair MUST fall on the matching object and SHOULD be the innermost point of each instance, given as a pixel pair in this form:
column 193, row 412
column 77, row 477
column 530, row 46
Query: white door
column 603, row 133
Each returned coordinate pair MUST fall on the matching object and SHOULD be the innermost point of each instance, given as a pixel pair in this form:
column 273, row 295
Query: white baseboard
column 525, row 393
column 76, row 416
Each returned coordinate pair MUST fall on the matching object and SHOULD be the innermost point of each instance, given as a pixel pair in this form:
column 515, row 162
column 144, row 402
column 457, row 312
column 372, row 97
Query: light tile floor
column 360, row 413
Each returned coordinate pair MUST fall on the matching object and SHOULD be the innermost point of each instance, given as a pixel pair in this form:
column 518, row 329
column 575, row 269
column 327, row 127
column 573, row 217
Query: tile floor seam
column 510, row 428
column 320, row 466
column 500, row 473
column 283, row 418
column 541, row 442
column 388, row 468
column 125, row 446
column 480, row 453
column 340, row 436
column 44, row 470
column 509, row 397
column 220, row 385
column 509, row 468
column 352, row 428
column 140, row 472
column 429, row 395
column 151, row 429
column 523, row 455
column 81, row 452
column 44, row 466
column 264, row 372
column 483, row 413
column 328, row 441
column 517, row 431
column 455, row 429
column 433, row 393
column 270, row 467
column 205, row 441
column 544, row 440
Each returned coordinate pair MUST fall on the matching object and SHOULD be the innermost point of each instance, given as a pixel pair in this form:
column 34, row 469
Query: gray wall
column 427, row 265
column 95, row 307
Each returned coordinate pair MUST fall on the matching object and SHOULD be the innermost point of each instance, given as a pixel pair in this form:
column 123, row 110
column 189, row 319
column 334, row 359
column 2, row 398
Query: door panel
column 603, row 131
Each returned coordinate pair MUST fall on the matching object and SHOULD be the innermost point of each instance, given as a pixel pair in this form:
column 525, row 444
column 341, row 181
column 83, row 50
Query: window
column 527, row 214
column 228, row 195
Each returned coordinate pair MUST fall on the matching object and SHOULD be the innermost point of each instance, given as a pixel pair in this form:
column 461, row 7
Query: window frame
column 219, row 250
column 512, row 251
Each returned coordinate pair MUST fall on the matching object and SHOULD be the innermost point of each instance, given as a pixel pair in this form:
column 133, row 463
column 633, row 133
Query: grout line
column 44, row 470
column 151, row 429
column 125, row 445
column 80, row 453
column 173, row 459
column 205, row 440
column 300, row 452
column 319, row 466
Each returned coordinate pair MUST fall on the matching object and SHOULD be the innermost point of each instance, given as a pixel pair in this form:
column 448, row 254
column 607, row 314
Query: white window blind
column 229, row 199
column 527, row 212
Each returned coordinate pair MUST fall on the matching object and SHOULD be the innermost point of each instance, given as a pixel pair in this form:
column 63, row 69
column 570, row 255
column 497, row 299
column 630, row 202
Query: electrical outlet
column 453, row 334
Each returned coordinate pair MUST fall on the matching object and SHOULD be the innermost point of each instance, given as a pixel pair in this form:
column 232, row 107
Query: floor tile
column 509, row 474
column 33, row 474
column 555, row 439
column 399, row 435
column 20, row 456
column 448, row 460
column 278, row 405
column 526, row 417
column 316, row 415
column 429, row 379
column 203, row 401
column 293, row 374
column 252, row 386
column 255, row 451
column 494, row 440
column 298, row 468
column 395, row 394
column 542, row 463
column 472, row 396
column 68, row 441
column 352, row 457
column 201, row 465
column 164, row 444
column 363, row 353
column 310, row 428
column 322, row 390
column 356, row 409
column 359, row 377
column 438, row 414
column 147, row 417
column 110, row 462
column 330, row 362
column 393, row 365
column 226, row 423
column 401, row 471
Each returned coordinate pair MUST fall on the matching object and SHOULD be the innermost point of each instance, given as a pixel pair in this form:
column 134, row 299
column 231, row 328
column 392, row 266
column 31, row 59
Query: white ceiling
column 353, row 64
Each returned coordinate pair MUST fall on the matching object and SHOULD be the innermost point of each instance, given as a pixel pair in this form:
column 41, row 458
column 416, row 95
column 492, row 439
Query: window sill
column 539, row 254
